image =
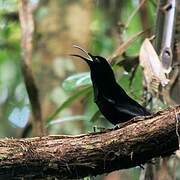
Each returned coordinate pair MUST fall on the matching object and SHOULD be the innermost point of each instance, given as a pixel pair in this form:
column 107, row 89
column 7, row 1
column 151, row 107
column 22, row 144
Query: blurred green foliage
column 13, row 94
column 12, row 90
column 14, row 103
column 104, row 44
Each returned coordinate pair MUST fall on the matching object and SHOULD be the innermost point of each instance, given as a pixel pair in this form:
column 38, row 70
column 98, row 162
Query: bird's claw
column 97, row 129
column 135, row 119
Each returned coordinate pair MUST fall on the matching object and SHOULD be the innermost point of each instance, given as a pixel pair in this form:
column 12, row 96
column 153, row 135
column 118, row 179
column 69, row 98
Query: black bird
column 111, row 99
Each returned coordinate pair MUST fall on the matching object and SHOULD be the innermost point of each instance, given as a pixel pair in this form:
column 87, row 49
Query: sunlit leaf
column 69, row 101
column 69, row 118
column 92, row 108
column 77, row 80
column 96, row 116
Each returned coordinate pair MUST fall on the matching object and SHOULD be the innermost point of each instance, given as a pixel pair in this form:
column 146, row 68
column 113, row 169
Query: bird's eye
column 96, row 59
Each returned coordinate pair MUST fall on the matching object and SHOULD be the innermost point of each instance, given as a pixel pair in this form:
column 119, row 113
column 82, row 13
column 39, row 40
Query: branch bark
column 73, row 157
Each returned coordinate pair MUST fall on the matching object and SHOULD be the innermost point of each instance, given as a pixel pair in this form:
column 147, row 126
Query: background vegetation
column 63, row 82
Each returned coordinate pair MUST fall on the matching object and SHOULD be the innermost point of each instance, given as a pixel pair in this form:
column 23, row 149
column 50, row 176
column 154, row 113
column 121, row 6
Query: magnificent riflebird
column 111, row 99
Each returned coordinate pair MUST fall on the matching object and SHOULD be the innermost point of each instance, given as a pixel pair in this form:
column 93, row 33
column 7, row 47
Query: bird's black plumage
column 111, row 99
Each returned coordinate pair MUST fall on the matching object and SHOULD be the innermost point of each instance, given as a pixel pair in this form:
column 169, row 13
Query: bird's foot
column 98, row 129
column 121, row 125
column 133, row 120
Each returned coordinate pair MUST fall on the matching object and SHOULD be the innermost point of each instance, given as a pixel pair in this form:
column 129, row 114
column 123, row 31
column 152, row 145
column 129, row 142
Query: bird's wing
column 128, row 106
column 132, row 110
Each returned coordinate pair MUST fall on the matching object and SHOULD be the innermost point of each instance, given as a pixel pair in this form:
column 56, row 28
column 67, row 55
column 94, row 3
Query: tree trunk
column 68, row 157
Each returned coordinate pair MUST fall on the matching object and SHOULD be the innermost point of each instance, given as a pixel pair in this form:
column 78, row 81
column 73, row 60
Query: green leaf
column 95, row 116
column 69, row 118
column 69, row 101
column 75, row 81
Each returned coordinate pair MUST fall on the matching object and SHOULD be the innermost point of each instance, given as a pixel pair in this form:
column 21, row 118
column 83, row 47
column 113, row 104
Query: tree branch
column 27, row 29
column 68, row 157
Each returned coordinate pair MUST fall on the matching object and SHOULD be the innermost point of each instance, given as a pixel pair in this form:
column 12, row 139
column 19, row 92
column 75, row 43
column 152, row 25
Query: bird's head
column 101, row 71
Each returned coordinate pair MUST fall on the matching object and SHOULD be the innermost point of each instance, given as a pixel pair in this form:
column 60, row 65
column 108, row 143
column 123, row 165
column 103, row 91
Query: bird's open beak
column 91, row 56
column 88, row 60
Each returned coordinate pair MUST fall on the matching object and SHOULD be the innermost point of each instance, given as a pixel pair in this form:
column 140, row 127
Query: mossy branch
column 73, row 157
